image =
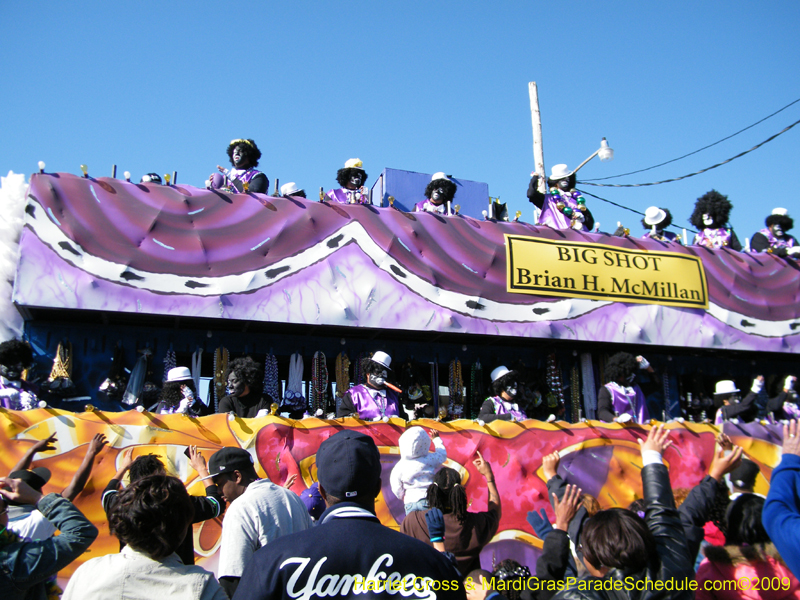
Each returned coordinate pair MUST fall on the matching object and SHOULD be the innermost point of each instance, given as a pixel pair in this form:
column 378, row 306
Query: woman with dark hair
column 505, row 385
column 151, row 518
column 351, row 178
column 710, row 216
column 244, row 177
column 619, row 546
column 775, row 238
column 438, row 193
column 621, row 399
column 748, row 555
column 179, row 395
column 466, row 533
column 245, row 399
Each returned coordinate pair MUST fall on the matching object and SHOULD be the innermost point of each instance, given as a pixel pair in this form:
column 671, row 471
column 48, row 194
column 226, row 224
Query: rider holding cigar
column 372, row 400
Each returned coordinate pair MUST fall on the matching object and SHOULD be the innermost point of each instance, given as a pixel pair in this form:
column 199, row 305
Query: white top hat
column 498, row 373
column 439, row 175
column 179, row 374
column 382, row 359
column 654, row 215
column 559, row 172
column 780, row 211
column 726, row 386
column 354, row 163
column 287, row 189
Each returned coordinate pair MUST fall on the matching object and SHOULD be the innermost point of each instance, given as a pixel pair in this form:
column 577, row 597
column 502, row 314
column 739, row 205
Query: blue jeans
column 418, row 505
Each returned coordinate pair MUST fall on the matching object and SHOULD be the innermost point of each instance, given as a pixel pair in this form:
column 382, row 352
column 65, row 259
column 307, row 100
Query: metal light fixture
column 41, row 166
column 604, row 152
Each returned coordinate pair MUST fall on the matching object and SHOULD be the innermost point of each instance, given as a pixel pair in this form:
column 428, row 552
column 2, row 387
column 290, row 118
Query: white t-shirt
column 29, row 523
column 264, row 512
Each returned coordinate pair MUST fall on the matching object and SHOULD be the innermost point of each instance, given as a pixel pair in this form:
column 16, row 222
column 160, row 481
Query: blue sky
column 433, row 86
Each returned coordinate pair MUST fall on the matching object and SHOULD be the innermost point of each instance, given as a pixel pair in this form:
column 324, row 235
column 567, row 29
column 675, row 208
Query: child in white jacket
column 412, row 475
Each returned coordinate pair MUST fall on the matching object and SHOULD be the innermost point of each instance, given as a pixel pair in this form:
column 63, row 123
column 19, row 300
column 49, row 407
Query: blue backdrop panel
column 408, row 188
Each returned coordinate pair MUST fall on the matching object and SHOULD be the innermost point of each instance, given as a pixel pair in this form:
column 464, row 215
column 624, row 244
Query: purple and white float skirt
column 428, row 206
column 232, row 180
column 713, row 238
column 554, row 217
column 501, row 407
column 345, row 196
column 373, row 404
column 629, row 400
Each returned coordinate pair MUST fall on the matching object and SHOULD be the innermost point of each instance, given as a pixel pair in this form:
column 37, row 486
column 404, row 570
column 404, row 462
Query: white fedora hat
column 559, row 172
column 179, row 374
column 499, row 372
column 654, row 215
column 354, row 163
column 726, row 386
column 287, row 189
column 382, row 359
column 439, row 175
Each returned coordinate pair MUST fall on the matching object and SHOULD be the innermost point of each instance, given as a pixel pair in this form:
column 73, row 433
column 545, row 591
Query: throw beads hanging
column 475, row 396
column 556, row 397
column 456, row 389
column 665, row 384
column 342, row 374
column 221, row 358
column 319, row 383
column 575, row 385
column 271, row 381
column 170, row 362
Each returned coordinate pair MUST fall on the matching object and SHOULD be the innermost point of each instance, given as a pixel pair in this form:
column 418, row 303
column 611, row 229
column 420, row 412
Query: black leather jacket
column 672, row 562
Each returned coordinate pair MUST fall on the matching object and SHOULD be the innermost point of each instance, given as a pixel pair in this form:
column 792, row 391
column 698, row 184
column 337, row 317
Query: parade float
column 197, row 276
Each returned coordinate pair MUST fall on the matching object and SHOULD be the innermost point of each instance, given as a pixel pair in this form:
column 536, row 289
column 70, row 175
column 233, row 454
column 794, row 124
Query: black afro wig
column 14, row 352
column 663, row 224
column 171, row 393
column 714, row 204
column 447, row 186
column 343, row 175
column 620, row 366
column 503, row 382
column 249, row 148
column 785, row 221
column 247, row 370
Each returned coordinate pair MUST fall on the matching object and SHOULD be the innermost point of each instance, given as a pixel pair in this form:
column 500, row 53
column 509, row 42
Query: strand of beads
column 576, row 393
column 319, row 383
column 221, row 358
column 456, row 388
column 271, row 382
column 170, row 362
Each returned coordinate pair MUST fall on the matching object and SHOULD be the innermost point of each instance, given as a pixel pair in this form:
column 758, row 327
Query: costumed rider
column 656, row 220
column 562, row 207
column 291, row 189
column 438, row 193
column 774, row 239
column 352, row 178
column 372, row 401
column 501, row 406
column 710, row 216
column 15, row 393
column 245, row 378
column 179, row 395
column 621, row 399
column 243, row 177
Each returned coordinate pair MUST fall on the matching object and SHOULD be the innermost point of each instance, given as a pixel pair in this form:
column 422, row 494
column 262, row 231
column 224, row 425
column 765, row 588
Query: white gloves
column 790, row 380
column 624, row 418
column 793, row 251
column 758, row 385
column 643, row 362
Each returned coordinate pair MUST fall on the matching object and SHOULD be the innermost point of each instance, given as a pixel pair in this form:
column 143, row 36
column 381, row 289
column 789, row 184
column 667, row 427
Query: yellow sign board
column 584, row 270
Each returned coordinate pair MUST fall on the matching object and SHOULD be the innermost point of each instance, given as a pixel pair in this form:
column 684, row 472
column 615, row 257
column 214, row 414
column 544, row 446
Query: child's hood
column 415, row 442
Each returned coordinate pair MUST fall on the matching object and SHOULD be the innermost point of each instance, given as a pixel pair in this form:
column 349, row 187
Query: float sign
column 575, row 269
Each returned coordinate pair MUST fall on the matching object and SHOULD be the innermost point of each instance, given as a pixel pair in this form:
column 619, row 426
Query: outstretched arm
column 81, row 476
column 44, row 445
column 485, row 469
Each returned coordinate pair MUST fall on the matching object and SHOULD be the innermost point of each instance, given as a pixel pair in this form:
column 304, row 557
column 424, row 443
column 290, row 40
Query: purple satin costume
column 664, row 236
column 713, row 238
column 552, row 216
column 774, row 242
column 226, row 180
column 428, row 206
column 343, row 196
column 629, row 400
column 501, row 407
column 369, row 408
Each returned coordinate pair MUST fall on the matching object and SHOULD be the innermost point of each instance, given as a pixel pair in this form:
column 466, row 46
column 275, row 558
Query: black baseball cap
column 227, row 460
column 36, row 477
column 349, row 466
column 744, row 476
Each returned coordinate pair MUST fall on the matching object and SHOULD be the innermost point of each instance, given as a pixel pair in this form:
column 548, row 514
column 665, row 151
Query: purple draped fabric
column 372, row 407
column 629, row 400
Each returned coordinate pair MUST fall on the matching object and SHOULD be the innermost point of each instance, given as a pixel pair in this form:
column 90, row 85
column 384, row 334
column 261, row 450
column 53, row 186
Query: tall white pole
column 538, row 149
